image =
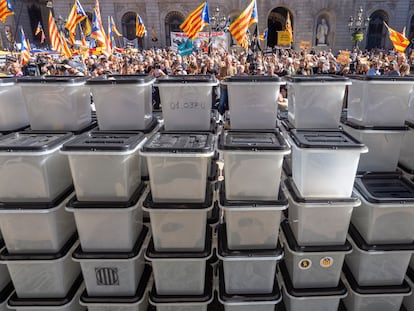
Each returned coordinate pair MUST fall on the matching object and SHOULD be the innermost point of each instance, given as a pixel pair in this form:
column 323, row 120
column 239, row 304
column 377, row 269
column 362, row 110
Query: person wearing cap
column 259, row 70
column 395, row 70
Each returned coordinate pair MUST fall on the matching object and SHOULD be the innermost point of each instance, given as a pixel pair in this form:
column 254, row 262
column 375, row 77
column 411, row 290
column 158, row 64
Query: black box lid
column 176, row 142
column 326, row 139
column 5, row 255
column 252, row 141
column 203, row 298
column 16, row 302
column 362, row 244
column 37, row 205
column 81, row 255
column 28, row 141
column 379, row 188
column 224, row 251
column 281, row 200
column 340, row 290
column 121, row 79
column 293, row 244
column 186, row 79
column 315, row 78
column 206, row 253
column 297, row 197
column 105, row 141
column 52, row 79
column 355, row 125
column 374, row 290
column 5, row 293
column 253, row 78
column 142, row 286
column 381, row 78
column 74, row 203
column 149, row 203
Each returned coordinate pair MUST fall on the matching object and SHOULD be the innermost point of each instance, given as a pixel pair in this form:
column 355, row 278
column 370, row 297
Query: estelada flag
column 5, row 10
column 195, row 21
column 241, row 24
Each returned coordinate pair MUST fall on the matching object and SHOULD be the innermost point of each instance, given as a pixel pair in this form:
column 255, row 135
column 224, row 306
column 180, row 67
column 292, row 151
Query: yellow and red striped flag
column 114, row 29
column 399, row 41
column 25, row 49
column 140, row 27
column 76, row 15
column 65, row 50
column 289, row 26
column 5, row 10
column 54, row 34
column 195, row 22
column 88, row 28
column 241, row 24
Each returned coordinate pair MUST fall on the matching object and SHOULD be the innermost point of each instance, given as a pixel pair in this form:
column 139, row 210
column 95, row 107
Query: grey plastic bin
column 186, row 101
column 373, row 298
column 379, row 100
column 137, row 302
column 178, row 165
column 312, row 266
column 4, row 276
column 43, row 275
column 327, row 156
column 123, row 102
column 247, row 271
column 113, row 273
column 252, row 163
column 179, row 227
column 407, row 150
column 31, row 167
column 319, row 221
column 253, row 302
column 37, row 227
column 412, row 262
column 105, row 166
column 384, row 145
column 377, row 265
column 69, row 303
column 252, row 224
column 180, row 273
column 315, row 101
column 13, row 113
column 185, row 302
column 252, row 101
column 386, row 215
column 109, row 226
column 316, row 299
column 58, row 103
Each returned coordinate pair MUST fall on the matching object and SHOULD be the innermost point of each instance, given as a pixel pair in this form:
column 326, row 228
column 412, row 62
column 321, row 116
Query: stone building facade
column 166, row 15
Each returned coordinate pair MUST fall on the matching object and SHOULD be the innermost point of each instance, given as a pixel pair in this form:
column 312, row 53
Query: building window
column 276, row 21
column 173, row 20
column 376, row 30
column 128, row 25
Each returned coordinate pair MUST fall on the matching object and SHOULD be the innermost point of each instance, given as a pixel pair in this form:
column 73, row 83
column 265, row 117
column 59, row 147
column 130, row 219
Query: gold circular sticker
column 326, row 262
column 305, row 264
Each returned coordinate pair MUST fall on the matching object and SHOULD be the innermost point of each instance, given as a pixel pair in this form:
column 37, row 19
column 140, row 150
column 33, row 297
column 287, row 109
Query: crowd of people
column 160, row 62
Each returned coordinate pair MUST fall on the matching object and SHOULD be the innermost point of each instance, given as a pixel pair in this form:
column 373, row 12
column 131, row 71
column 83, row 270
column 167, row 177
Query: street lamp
column 218, row 22
column 357, row 25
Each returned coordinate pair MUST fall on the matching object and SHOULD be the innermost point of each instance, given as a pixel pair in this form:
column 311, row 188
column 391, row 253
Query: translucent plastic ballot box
column 13, row 113
column 186, row 101
column 252, row 163
column 315, row 101
column 253, row 101
column 178, row 165
column 56, row 102
column 379, row 100
column 123, row 102
column 31, row 167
